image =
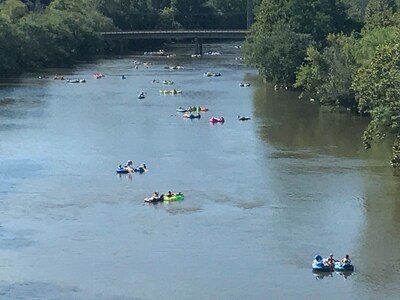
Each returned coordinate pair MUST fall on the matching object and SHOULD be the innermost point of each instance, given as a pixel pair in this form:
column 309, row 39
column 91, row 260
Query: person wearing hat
column 330, row 261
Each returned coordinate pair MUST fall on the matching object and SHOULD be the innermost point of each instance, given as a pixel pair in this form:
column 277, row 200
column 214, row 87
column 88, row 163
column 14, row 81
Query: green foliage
column 167, row 19
column 9, row 42
column 231, row 13
column 327, row 76
column 268, row 14
column 278, row 54
column 64, row 32
column 314, row 19
column 376, row 86
column 369, row 42
column 194, row 14
column 380, row 13
column 13, row 10
column 130, row 14
column 318, row 17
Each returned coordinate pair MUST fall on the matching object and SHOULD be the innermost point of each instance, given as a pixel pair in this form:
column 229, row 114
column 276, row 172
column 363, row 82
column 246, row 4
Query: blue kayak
column 346, row 267
column 318, row 265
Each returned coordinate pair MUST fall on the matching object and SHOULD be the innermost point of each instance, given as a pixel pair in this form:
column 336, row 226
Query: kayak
column 318, row 265
column 243, row 118
column 177, row 197
column 346, row 267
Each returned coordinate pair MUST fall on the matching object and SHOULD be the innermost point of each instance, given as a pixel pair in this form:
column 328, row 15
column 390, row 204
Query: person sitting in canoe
column 169, row 194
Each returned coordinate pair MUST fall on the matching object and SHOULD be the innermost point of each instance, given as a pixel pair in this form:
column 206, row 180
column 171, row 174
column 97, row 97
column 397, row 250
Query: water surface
column 262, row 196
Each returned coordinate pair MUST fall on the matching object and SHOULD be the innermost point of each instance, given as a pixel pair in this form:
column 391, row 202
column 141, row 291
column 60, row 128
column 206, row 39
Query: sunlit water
column 263, row 197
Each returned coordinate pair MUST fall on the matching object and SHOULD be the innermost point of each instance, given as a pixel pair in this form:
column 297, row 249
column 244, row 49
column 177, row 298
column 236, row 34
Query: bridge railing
column 159, row 34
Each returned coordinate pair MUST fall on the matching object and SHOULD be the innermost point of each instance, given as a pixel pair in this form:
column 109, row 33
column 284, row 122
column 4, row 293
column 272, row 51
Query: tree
column 231, row 13
column 194, row 14
column 379, row 13
column 318, row 17
column 376, row 86
column 130, row 14
column 327, row 76
column 278, row 54
column 8, row 47
column 369, row 42
column 305, row 21
column 13, row 10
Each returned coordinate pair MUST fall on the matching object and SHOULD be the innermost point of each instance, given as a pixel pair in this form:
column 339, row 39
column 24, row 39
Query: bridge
column 197, row 35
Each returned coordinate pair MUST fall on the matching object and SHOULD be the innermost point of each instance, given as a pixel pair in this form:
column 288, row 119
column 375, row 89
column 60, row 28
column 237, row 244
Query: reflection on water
column 261, row 197
column 322, row 275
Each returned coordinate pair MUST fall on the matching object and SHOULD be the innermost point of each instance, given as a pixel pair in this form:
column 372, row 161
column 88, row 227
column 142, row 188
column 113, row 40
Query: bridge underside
column 196, row 35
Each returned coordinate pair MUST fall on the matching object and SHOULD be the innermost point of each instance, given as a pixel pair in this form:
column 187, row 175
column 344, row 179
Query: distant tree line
column 327, row 49
column 39, row 33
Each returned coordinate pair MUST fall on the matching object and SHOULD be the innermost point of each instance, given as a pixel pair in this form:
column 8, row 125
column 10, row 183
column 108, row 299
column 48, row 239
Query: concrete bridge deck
column 175, row 34
column 197, row 35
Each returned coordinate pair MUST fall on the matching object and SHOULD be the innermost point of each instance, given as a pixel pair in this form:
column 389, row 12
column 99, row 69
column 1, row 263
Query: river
column 262, row 197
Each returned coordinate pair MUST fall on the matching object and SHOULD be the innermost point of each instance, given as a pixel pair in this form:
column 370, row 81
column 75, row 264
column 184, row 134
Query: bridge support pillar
column 199, row 46
column 123, row 46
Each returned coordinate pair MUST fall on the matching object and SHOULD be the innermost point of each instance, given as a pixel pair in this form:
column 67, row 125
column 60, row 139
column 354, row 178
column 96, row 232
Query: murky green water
column 262, row 196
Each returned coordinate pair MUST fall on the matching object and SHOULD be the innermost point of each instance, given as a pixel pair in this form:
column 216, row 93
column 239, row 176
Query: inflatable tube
column 347, row 267
column 214, row 120
column 318, row 265
column 177, row 197
column 122, row 171
column 153, row 199
column 192, row 116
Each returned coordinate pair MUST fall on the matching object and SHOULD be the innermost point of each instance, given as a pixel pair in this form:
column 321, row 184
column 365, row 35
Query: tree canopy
column 377, row 93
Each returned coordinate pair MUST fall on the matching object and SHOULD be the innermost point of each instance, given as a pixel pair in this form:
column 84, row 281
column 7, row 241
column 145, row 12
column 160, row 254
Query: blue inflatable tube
column 319, row 266
column 122, row 171
column 347, row 267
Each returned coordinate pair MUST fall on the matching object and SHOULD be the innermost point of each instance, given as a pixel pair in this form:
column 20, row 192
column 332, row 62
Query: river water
column 262, row 197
